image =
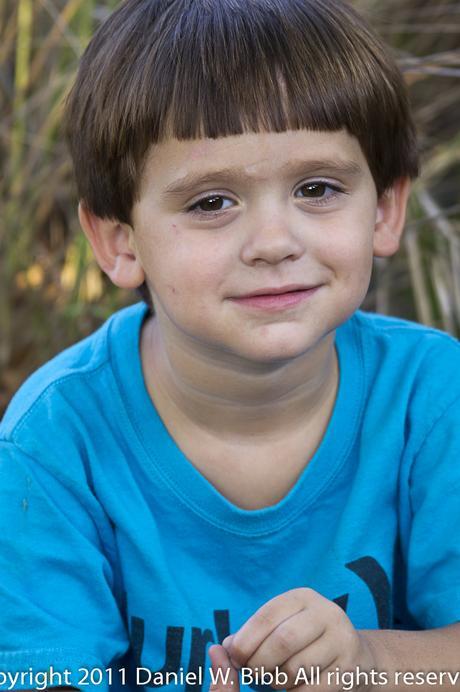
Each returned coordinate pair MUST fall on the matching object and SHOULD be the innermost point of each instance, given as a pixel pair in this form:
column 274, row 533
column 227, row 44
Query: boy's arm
column 399, row 651
column 58, row 601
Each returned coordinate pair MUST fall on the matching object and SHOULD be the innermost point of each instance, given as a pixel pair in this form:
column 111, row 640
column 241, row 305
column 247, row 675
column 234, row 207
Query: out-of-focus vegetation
column 51, row 290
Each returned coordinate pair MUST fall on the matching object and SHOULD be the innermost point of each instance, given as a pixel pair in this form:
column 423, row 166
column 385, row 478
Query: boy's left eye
column 314, row 191
column 210, row 204
column 317, row 190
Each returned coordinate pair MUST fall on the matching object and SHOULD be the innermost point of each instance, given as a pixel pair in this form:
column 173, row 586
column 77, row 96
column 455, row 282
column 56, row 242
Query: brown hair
column 211, row 68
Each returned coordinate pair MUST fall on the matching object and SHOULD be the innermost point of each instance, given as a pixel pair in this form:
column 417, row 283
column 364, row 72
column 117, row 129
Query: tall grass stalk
column 21, row 82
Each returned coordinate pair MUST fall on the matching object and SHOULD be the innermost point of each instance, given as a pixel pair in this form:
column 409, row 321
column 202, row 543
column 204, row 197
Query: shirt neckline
column 187, row 483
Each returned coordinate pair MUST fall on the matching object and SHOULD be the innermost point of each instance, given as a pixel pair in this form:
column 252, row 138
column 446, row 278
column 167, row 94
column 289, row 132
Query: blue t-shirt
column 117, row 553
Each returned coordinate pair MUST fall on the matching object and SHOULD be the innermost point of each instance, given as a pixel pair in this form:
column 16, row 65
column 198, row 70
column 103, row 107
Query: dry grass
column 52, row 292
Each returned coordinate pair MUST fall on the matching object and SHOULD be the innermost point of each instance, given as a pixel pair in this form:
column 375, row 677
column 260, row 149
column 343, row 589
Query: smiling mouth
column 276, row 301
column 276, row 290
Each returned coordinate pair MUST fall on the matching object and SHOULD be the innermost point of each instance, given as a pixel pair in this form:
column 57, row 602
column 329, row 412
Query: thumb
column 224, row 677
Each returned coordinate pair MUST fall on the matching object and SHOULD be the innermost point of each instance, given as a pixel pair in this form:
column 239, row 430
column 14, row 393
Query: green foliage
column 51, row 290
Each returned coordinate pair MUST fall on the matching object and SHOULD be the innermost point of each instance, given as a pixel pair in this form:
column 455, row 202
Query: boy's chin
column 275, row 351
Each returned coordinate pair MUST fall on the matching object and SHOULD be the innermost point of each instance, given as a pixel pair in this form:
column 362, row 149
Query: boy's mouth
column 274, row 291
column 275, row 298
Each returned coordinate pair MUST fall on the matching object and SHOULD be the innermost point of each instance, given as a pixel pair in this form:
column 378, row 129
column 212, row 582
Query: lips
column 275, row 291
column 276, row 298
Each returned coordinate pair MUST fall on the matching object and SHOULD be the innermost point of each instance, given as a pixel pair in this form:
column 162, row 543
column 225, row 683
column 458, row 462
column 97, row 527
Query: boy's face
column 272, row 211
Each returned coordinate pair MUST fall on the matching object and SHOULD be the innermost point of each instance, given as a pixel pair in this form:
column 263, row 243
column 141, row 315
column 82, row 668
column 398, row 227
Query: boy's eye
column 210, row 204
column 316, row 190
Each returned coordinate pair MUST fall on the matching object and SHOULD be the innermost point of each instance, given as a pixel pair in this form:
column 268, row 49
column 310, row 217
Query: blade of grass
column 419, row 288
column 21, row 81
column 444, row 227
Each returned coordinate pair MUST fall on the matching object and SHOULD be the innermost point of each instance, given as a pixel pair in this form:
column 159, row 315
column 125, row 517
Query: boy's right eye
column 208, row 205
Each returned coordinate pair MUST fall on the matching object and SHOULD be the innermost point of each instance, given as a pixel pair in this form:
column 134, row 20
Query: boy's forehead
column 255, row 154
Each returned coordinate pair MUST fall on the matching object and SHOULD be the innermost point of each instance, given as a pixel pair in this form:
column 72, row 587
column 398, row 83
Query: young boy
column 254, row 461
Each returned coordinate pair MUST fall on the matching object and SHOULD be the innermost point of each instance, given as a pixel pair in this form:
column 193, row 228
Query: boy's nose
column 272, row 241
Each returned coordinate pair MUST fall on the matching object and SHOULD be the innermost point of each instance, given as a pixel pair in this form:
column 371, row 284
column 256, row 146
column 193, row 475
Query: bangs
column 242, row 66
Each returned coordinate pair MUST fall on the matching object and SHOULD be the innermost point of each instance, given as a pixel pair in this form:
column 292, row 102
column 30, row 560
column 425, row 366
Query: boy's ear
column 114, row 248
column 391, row 215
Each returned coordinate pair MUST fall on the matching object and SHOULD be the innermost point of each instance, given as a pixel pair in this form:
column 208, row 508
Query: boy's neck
column 236, row 403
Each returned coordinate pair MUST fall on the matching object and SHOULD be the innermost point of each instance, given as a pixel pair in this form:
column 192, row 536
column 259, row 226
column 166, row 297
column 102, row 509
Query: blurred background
column 51, row 291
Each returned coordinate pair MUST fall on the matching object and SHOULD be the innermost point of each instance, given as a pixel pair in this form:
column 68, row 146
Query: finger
column 224, row 676
column 257, row 628
column 293, row 635
column 308, row 666
column 227, row 643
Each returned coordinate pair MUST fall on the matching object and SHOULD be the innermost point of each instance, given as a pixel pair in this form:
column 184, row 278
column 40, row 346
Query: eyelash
column 193, row 209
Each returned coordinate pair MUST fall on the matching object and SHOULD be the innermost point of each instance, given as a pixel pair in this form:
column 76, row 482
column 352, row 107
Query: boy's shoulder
column 403, row 336
column 388, row 324
column 410, row 363
column 67, row 380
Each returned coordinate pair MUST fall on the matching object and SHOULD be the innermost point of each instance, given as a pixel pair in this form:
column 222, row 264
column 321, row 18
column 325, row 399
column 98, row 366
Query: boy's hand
column 299, row 629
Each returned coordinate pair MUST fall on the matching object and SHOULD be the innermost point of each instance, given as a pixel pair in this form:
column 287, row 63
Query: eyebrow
column 188, row 183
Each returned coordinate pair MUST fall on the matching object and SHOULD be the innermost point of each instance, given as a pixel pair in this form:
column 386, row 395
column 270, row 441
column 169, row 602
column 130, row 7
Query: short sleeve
column 433, row 553
column 58, row 609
